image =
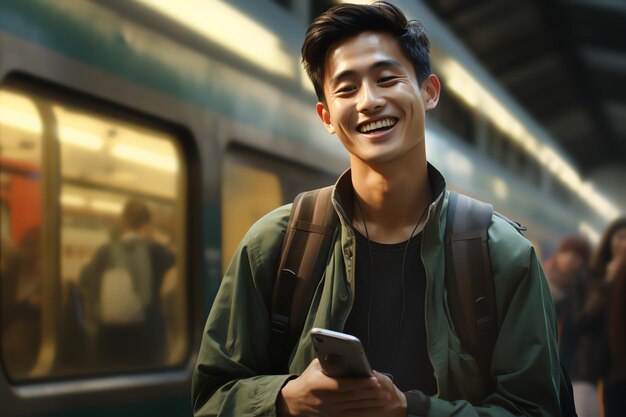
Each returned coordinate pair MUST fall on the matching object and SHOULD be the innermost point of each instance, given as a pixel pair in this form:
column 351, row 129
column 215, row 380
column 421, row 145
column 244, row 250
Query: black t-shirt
column 396, row 340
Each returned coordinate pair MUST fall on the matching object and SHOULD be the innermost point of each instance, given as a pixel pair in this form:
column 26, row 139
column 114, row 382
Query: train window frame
column 185, row 211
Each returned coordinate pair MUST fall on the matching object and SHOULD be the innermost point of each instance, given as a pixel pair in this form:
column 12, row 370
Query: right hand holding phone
column 315, row 394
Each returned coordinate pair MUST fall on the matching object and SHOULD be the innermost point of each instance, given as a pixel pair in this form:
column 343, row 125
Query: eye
column 387, row 79
column 345, row 89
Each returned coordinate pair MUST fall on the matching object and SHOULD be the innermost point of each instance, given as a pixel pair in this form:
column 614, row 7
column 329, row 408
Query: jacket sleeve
column 525, row 362
column 233, row 372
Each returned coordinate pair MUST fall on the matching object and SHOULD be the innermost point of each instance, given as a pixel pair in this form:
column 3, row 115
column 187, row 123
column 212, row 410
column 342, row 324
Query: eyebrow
column 378, row 65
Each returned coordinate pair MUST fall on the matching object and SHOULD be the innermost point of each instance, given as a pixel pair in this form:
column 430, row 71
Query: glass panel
column 21, row 243
column 116, row 259
column 254, row 184
column 248, row 193
column 121, row 200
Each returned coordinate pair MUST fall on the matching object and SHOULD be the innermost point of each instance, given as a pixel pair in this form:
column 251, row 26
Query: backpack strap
column 308, row 239
column 469, row 277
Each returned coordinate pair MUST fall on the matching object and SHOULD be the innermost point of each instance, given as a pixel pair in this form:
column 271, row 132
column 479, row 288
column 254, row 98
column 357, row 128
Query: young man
column 384, row 279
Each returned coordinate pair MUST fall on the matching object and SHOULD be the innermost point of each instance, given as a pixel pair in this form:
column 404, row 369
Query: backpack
column 468, row 275
column 120, row 300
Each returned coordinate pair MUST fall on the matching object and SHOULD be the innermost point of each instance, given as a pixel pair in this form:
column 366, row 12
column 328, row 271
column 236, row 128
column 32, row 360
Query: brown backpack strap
column 469, row 277
column 306, row 244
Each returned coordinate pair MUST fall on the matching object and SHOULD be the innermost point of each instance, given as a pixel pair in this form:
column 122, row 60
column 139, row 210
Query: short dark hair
column 577, row 244
column 346, row 20
column 135, row 214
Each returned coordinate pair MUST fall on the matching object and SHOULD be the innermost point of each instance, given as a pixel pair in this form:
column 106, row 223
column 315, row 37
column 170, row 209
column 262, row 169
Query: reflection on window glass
column 254, row 184
column 118, row 303
column 21, row 244
column 248, row 194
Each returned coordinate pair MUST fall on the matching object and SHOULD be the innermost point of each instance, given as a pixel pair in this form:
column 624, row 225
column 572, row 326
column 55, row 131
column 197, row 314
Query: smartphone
column 341, row 355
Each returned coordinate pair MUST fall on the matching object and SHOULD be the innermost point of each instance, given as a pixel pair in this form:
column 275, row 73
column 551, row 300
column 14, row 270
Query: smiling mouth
column 377, row 126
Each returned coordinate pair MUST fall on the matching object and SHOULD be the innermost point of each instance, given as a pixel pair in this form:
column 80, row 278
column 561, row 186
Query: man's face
column 568, row 262
column 374, row 102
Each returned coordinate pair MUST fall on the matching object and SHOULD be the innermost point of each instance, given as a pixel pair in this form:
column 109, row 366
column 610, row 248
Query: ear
column 431, row 87
column 324, row 116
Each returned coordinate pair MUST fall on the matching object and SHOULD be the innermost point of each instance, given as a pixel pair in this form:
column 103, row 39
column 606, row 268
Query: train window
column 253, row 184
column 92, row 271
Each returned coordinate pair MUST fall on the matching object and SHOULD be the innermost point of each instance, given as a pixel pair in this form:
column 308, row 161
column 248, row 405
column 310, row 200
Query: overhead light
column 232, row 29
column 80, row 138
column 145, row 157
column 73, row 200
column 588, row 231
column 30, row 122
column 500, row 189
column 469, row 90
column 106, row 206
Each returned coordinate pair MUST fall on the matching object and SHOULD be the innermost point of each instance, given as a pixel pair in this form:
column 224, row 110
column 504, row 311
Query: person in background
column 566, row 267
column 21, row 278
column 608, row 297
column 568, row 276
column 123, row 282
column 567, row 271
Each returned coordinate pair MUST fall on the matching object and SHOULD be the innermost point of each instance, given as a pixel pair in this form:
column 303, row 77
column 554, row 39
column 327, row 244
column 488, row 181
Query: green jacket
column 233, row 375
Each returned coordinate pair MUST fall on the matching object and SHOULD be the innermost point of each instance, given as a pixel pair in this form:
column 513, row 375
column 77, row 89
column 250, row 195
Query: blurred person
column 20, row 287
column 371, row 71
column 609, row 298
column 567, row 272
column 579, row 325
column 122, row 283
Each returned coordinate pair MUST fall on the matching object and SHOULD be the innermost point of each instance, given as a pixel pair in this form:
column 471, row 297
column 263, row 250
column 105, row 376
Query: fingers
column 315, row 391
column 318, row 381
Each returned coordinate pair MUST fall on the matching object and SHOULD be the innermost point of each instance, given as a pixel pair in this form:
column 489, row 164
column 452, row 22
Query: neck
column 392, row 199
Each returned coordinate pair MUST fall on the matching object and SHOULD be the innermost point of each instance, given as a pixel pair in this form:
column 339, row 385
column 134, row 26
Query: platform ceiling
column 564, row 60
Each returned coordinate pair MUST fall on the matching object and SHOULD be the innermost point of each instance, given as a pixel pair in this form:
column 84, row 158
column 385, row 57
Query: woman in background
column 609, row 268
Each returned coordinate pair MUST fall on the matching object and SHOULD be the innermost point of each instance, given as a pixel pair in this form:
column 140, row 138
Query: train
column 201, row 110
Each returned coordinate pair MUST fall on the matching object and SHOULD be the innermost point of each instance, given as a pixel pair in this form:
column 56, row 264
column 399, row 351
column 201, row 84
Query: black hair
column 346, row 20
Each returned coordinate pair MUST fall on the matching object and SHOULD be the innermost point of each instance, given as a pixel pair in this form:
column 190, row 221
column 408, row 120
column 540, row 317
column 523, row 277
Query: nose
column 369, row 99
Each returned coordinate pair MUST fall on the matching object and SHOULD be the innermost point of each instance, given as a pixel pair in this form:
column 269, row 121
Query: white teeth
column 368, row 127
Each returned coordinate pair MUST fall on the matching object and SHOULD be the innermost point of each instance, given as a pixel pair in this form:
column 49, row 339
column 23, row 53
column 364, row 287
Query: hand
column 317, row 395
column 396, row 406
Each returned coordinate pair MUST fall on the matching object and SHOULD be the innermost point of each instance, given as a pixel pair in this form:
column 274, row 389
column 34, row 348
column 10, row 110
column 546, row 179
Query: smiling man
column 384, row 276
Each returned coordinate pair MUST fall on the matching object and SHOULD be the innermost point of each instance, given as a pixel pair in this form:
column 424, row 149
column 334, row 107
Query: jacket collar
column 343, row 194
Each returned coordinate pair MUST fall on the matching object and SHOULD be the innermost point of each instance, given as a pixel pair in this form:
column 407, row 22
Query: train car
column 203, row 114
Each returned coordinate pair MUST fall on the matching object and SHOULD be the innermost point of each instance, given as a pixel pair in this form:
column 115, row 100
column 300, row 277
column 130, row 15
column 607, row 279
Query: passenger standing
column 21, row 277
column 567, row 272
column 123, row 282
column 610, row 268
column 371, row 70
column 580, row 329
